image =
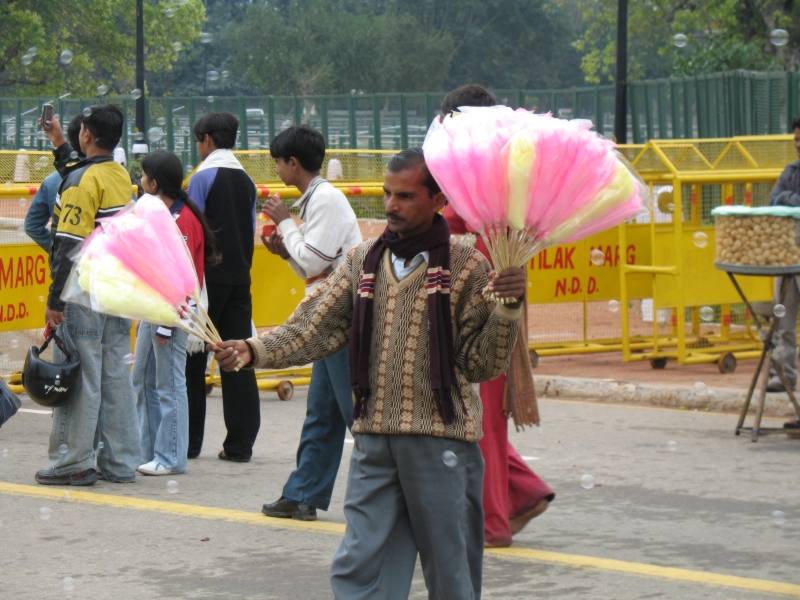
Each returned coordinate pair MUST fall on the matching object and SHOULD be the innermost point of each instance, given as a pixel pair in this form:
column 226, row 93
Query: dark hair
column 471, row 94
column 302, row 142
column 221, row 126
column 105, row 122
column 413, row 158
column 166, row 170
column 795, row 123
column 74, row 133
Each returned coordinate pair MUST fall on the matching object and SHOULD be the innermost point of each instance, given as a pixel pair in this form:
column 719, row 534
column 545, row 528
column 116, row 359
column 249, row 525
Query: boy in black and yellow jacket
column 104, row 409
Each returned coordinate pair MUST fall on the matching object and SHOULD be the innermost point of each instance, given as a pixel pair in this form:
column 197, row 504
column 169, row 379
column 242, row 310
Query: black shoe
column 48, row 477
column 286, row 509
column 792, row 424
column 239, row 459
column 191, row 455
column 775, row 386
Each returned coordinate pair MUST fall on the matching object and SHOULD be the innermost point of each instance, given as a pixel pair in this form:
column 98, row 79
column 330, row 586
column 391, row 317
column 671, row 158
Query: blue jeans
column 159, row 383
column 103, row 409
column 329, row 412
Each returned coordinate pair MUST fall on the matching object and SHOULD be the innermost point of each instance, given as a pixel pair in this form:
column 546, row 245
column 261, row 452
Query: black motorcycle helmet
column 49, row 384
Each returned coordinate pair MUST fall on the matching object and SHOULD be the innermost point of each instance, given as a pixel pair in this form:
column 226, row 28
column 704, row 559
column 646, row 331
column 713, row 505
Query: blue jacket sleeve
column 40, row 211
column 199, row 186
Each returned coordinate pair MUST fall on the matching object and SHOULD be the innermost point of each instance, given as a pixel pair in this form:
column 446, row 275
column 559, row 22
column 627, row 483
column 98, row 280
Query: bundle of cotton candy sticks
column 527, row 181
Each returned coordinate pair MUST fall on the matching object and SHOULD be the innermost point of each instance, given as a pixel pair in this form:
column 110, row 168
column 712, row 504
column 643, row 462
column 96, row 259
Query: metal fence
column 718, row 105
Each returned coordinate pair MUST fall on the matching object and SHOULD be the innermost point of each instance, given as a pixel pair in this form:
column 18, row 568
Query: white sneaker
column 154, row 468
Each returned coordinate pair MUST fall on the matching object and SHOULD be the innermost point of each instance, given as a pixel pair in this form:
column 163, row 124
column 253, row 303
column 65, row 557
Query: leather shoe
column 286, row 508
column 775, row 385
column 49, row 477
column 795, row 424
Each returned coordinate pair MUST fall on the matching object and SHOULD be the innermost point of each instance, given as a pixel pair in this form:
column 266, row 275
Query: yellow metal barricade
column 644, row 298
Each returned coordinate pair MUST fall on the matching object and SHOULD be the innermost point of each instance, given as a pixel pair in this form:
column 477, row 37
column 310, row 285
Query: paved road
column 690, row 523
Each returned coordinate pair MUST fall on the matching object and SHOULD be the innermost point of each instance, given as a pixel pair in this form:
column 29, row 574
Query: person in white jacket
column 313, row 249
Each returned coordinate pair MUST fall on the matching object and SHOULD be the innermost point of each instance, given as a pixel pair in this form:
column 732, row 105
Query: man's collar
column 309, row 190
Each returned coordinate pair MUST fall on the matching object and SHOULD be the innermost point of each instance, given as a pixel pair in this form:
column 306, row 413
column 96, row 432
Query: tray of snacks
column 757, row 241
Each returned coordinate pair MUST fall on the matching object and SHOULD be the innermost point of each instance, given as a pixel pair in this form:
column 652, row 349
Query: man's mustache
column 395, row 217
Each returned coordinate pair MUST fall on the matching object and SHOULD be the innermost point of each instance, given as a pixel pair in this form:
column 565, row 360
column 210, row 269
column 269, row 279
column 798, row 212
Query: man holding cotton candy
column 410, row 306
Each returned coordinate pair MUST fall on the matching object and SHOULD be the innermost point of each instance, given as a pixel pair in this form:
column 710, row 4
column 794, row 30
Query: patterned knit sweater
column 401, row 400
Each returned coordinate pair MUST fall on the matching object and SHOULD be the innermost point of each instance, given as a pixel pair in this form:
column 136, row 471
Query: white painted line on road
column 36, row 412
column 527, row 554
column 530, row 458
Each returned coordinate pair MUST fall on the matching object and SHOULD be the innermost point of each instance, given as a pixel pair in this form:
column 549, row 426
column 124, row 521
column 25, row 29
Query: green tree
column 318, row 47
column 722, row 35
column 101, row 36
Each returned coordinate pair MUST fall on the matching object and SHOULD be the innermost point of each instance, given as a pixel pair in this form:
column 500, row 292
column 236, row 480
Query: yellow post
column 623, row 296
column 677, row 220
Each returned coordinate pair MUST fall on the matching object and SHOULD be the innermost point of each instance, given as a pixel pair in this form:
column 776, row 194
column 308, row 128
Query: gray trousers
column 786, row 334
column 402, row 499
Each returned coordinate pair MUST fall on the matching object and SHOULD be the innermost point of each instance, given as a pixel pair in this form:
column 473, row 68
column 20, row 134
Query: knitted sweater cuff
column 509, row 314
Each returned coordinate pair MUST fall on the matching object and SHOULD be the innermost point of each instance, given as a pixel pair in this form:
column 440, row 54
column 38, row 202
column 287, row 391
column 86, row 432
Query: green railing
column 718, row 105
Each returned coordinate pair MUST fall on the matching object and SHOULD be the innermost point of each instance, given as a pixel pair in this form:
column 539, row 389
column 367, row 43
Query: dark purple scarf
column 440, row 332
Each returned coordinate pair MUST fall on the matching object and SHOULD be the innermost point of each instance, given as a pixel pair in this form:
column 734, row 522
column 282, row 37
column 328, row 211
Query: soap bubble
column 597, row 257
column 69, row 584
column 41, row 136
column 778, row 517
column 177, row 46
column 136, row 93
column 73, row 155
column 680, row 40
column 11, row 131
column 700, row 388
column 210, row 98
column 225, row 74
column 15, row 342
column 139, row 136
column 102, row 89
column 189, row 168
column 292, row 291
column 100, row 445
column 778, row 37
column 172, row 486
column 700, row 239
column 9, row 184
column 212, row 75
column 128, row 359
column 154, row 134
column 779, row 310
column 706, row 313
column 4, row 452
column 161, row 121
column 672, row 446
column 44, row 513
column 206, row 38
column 587, row 482
column 62, row 449
column 67, row 495
column 66, row 57
column 87, row 111
column 41, row 298
column 26, row 60
column 169, row 13
column 450, row 459
column 22, row 202
column 33, row 51
column 613, row 305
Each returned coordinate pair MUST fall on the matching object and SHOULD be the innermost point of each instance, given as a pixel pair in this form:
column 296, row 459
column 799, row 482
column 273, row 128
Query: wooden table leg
column 750, row 390
column 762, row 395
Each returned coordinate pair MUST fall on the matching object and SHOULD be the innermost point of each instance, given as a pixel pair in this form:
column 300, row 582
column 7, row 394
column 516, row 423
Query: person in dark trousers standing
column 787, row 193
column 314, row 250
column 409, row 306
column 41, row 209
column 226, row 194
